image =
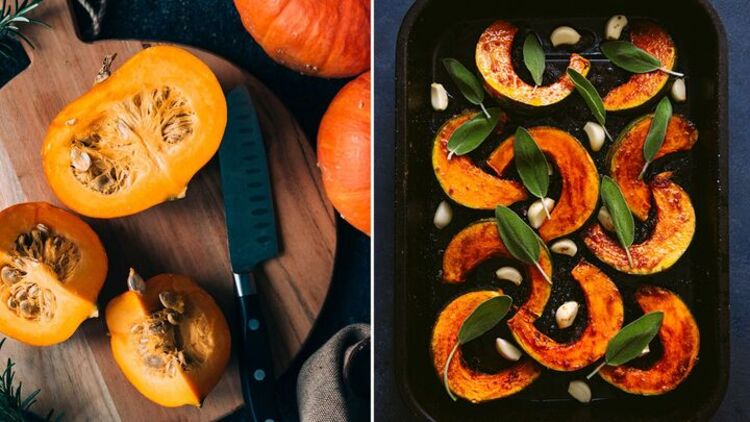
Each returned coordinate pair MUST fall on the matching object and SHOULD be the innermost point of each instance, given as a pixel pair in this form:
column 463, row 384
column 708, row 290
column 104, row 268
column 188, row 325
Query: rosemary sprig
column 11, row 20
column 13, row 406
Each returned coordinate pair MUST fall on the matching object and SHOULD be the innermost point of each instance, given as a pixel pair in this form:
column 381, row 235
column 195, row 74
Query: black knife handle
column 256, row 364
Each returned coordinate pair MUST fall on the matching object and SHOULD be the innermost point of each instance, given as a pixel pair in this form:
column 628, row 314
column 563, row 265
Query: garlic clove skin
column 536, row 214
column 564, row 35
column 580, row 391
column 438, row 96
column 679, row 93
column 507, row 350
column 614, row 27
column 605, row 218
column 566, row 314
column 564, row 247
column 443, row 215
column 595, row 133
column 510, row 274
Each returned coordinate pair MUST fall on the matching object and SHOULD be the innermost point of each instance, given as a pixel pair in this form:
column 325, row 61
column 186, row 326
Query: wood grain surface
column 80, row 377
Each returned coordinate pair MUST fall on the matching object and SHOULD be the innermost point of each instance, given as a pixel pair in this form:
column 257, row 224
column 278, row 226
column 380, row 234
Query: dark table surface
column 735, row 15
column 215, row 26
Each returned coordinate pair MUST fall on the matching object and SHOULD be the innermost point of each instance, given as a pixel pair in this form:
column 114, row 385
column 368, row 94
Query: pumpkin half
column 52, row 266
column 642, row 87
column 679, row 337
column 480, row 241
column 605, row 310
column 670, row 238
column 464, row 381
column 462, row 180
column 169, row 338
column 626, row 158
column 580, row 178
column 494, row 60
column 137, row 138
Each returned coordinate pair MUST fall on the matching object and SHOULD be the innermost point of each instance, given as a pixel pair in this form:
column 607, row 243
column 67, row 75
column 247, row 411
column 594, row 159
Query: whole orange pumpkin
column 344, row 152
column 327, row 38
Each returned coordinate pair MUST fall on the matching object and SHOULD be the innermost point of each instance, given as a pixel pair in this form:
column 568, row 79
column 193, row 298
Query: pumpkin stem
column 135, row 282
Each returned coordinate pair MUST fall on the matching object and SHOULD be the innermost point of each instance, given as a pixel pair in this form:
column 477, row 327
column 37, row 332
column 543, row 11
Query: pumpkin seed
column 10, row 275
column 154, row 361
column 12, row 303
column 172, row 301
column 80, row 160
column 135, row 282
column 172, row 318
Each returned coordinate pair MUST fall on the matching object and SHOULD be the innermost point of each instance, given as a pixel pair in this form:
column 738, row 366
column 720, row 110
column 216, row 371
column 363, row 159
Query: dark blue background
column 735, row 15
column 215, row 26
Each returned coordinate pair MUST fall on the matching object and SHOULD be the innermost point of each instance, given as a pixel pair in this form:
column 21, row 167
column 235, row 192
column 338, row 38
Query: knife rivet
column 253, row 324
column 259, row 375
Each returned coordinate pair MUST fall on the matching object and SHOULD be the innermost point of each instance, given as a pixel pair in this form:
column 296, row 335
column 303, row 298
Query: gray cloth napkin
column 333, row 384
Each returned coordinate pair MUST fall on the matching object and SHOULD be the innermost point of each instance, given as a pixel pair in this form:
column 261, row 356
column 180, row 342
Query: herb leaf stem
column 671, row 72
column 445, row 372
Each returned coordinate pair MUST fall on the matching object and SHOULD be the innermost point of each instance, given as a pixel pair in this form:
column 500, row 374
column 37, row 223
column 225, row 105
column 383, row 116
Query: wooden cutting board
column 80, row 377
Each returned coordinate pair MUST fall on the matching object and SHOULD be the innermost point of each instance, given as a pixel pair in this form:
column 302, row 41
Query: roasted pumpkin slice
column 463, row 181
column 626, row 158
column 480, row 241
column 670, row 238
column 169, row 338
column 605, row 311
column 52, row 266
column 495, row 62
column 136, row 139
column 580, row 178
column 679, row 337
column 464, row 381
column 642, row 87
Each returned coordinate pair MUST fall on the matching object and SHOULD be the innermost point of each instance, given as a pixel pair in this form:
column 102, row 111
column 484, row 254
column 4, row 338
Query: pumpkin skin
column 327, row 38
column 204, row 333
column 495, row 64
column 580, row 178
column 626, row 157
column 65, row 284
column 147, row 130
column 670, row 238
column 605, row 311
column 480, row 241
column 465, row 382
column 680, row 338
column 642, row 87
column 344, row 152
column 462, row 180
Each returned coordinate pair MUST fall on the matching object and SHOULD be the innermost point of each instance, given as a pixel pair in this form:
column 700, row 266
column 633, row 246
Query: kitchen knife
column 252, row 238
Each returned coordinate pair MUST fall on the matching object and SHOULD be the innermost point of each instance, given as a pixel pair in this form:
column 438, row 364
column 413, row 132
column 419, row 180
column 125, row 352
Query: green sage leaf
column 531, row 163
column 625, row 55
column 622, row 218
column 590, row 95
column 633, row 338
column 520, row 239
column 471, row 134
column 487, row 315
column 466, row 81
column 533, row 57
column 658, row 129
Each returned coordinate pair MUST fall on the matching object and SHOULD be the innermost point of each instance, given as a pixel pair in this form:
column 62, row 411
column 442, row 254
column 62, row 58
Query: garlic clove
column 605, row 218
column 614, row 27
column 507, row 350
column 443, row 215
column 438, row 96
column 510, row 274
column 580, row 391
column 536, row 214
column 679, row 93
column 564, row 247
column 595, row 133
column 646, row 350
column 566, row 314
column 564, row 35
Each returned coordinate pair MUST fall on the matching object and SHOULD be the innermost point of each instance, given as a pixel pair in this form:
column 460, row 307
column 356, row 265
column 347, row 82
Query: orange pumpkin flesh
column 480, row 241
column 641, row 88
column 626, row 158
column 52, row 266
column 327, row 38
column 464, row 381
column 344, row 152
column 580, row 178
column 681, row 342
column 605, row 312
column 147, row 346
column 495, row 64
column 670, row 238
column 463, row 181
column 136, row 139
